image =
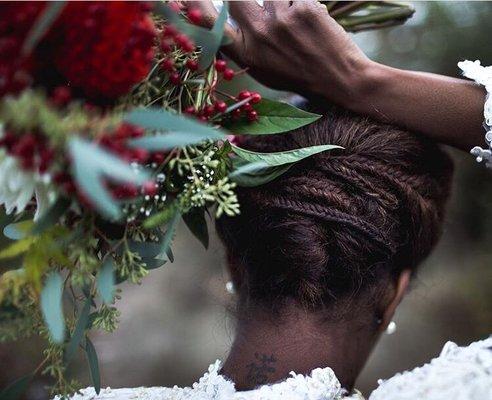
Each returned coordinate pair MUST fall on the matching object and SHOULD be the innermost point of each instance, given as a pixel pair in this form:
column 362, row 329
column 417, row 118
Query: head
column 342, row 232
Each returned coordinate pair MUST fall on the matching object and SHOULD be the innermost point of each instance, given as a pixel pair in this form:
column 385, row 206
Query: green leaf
column 257, row 173
column 52, row 215
column 42, row 25
column 153, row 263
column 51, row 306
column 169, row 235
column 79, row 330
column 16, row 389
column 282, row 157
column 183, row 131
column 18, row 230
column 273, row 117
column 145, row 249
column 160, row 218
column 197, row 224
column 91, row 164
column 106, row 281
column 17, row 248
column 210, row 49
column 93, row 365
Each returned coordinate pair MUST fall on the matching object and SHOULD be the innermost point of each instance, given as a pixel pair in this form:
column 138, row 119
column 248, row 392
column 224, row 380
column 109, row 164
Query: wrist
column 356, row 85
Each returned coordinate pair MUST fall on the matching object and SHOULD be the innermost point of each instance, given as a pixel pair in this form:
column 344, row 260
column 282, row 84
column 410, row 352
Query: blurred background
column 177, row 323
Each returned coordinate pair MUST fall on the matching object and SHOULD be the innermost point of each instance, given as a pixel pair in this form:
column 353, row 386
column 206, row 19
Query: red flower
column 107, row 47
column 16, row 19
column 100, row 49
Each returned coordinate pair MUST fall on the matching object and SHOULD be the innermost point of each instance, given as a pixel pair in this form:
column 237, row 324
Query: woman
column 320, row 259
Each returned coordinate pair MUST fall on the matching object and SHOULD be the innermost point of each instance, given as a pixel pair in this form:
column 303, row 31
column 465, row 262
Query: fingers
column 276, row 6
column 245, row 12
column 209, row 12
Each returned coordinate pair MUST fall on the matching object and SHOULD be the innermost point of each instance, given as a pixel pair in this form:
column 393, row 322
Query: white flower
column 18, row 187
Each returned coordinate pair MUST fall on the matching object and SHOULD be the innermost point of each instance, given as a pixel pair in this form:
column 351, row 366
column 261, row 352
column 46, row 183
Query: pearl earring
column 230, row 287
column 391, row 328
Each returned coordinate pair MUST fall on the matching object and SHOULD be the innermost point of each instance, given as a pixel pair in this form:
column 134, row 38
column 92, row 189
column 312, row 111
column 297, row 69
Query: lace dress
column 459, row 373
column 322, row 384
column 483, row 76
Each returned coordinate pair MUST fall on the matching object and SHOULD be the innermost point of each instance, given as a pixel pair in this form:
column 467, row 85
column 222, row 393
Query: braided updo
column 339, row 222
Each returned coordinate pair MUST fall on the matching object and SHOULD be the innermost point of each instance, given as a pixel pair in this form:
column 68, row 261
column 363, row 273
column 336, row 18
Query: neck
column 266, row 349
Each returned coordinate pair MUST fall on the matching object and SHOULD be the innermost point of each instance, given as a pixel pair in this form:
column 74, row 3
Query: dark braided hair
column 341, row 221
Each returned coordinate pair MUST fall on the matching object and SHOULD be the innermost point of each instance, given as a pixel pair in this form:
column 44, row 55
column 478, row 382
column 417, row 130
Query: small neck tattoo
column 260, row 369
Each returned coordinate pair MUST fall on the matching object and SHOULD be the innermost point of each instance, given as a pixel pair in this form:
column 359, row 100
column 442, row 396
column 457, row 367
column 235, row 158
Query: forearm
column 447, row 110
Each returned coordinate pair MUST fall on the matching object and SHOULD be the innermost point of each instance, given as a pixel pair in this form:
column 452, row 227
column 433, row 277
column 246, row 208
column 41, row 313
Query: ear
column 400, row 290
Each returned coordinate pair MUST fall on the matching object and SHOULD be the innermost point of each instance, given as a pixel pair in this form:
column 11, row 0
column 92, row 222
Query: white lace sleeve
column 482, row 75
column 458, row 373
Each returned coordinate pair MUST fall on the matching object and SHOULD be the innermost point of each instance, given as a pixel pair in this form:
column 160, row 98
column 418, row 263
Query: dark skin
column 268, row 346
column 297, row 46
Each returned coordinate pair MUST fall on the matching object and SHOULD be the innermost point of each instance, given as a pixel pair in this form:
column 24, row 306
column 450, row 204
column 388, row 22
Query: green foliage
column 197, row 224
column 105, row 281
column 17, row 230
column 93, row 365
column 274, row 117
column 257, row 173
column 184, row 131
column 91, row 164
column 282, row 157
column 51, row 306
column 79, row 331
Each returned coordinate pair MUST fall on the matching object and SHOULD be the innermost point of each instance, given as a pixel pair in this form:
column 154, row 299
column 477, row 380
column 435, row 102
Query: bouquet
column 113, row 129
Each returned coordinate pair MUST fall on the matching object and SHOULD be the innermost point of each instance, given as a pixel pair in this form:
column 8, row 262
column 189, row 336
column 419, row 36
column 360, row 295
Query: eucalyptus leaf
column 182, row 130
column 106, row 281
column 169, row 235
column 52, row 215
column 209, row 50
column 282, row 157
column 197, row 224
column 18, row 230
column 273, row 117
column 79, row 330
column 91, row 164
column 51, row 306
column 42, row 25
column 16, row 389
column 93, row 365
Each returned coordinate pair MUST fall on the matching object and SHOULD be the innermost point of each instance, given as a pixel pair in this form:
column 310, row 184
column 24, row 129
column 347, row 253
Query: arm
column 447, row 110
column 299, row 47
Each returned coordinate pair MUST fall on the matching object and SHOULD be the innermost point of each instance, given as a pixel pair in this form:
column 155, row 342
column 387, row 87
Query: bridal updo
column 340, row 223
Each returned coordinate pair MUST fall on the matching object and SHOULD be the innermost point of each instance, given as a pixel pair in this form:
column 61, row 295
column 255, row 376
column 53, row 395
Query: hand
column 292, row 45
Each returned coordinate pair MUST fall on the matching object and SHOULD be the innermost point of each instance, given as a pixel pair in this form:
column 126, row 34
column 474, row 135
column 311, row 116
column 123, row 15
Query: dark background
column 176, row 323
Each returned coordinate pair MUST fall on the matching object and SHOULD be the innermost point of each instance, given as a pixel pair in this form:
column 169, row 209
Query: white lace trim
column 482, row 75
column 322, row 384
column 458, row 373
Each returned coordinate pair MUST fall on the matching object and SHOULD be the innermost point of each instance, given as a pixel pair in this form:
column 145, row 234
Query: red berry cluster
column 247, row 109
column 172, row 38
column 31, row 149
column 227, row 73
